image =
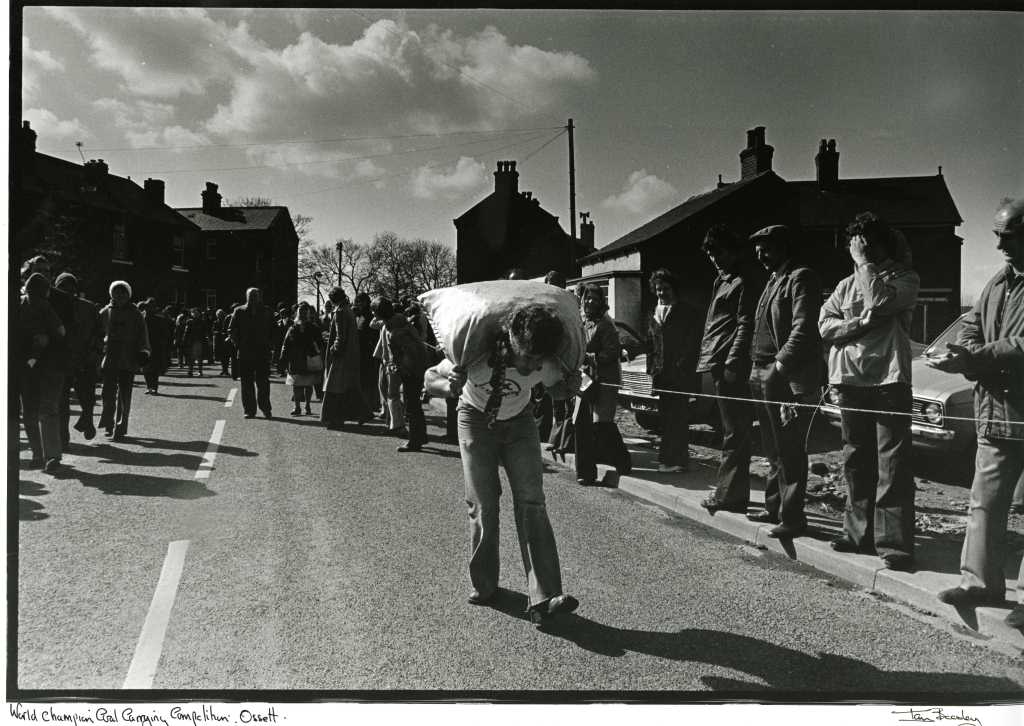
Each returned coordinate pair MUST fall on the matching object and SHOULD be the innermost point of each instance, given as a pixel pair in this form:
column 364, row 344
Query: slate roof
column 904, row 200
column 233, row 219
column 66, row 180
column 674, row 216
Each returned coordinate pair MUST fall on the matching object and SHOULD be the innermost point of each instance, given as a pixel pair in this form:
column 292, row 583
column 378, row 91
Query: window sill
column 117, row 261
column 178, row 268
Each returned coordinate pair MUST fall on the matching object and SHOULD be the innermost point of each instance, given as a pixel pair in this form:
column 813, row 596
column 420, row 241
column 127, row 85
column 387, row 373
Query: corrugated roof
column 674, row 216
column 898, row 200
column 67, row 180
column 233, row 218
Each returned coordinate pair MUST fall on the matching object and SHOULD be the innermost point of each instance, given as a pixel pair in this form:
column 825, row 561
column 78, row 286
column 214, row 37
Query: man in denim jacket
column 990, row 350
column 867, row 322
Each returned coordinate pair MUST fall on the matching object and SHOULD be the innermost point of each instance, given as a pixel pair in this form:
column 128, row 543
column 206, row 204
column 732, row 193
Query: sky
column 374, row 120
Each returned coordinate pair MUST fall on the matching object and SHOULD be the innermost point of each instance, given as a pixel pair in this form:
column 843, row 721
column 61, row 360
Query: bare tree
column 356, row 269
column 251, row 202
column 393, row 261
column 435, row 265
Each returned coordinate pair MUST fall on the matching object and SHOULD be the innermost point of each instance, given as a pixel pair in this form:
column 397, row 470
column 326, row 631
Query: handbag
column 314, row 363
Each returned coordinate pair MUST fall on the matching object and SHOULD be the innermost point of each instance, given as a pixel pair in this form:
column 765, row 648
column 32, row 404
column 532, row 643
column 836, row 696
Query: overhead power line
column 340, row 139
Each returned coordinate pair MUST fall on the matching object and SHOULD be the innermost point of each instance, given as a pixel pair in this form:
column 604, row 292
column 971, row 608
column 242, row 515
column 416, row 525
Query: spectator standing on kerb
column 866, row 321
column 786, row 376
column 990, row 351
column 725, row 356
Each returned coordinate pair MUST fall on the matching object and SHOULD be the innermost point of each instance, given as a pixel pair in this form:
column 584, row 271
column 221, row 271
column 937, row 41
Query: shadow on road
column 200, row 446
column 187, row 396
column 30, row 511
column 138, row 485
column 132, row 457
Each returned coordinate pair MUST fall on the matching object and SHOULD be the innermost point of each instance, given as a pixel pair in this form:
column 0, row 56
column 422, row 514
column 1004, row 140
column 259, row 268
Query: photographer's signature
column 931, row 715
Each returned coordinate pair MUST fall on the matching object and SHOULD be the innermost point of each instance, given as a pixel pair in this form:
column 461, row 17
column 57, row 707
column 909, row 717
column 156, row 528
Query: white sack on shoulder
column 467, row 319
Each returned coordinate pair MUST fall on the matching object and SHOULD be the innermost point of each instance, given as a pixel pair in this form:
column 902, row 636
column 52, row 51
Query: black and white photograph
column 513, row 358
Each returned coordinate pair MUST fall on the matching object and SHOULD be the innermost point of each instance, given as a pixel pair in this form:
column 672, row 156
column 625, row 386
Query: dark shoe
column 586, row 482
column 296, row 411
column 764, row 517
column 713, row 505
column 558, row 605
column 119, row 436
column 79, row 425
column 404, row 448
column 969, row 597
column 477, row 598
column 89, row 432
column 899, row 562
column 250, row 415
column 51, row 465
column 787, row 531
column 1016, row 617
column 842, row 543
column 268, row 414
column 308, row 411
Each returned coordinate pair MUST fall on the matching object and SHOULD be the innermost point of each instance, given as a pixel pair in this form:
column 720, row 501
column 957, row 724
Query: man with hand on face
column 867, row 322
column 725, row 355
column 787, row 367
column 990, row 351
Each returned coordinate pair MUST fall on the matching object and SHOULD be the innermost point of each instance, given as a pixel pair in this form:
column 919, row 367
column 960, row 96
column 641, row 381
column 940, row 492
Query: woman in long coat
column 343, row 397
column 301, row 343
column 368, row 339
column 161, row 334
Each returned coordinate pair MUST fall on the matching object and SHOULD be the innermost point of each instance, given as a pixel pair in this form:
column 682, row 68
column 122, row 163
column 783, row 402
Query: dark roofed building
column 95, row 224
column 920, row 207
column 242, row 247
column 509, row 228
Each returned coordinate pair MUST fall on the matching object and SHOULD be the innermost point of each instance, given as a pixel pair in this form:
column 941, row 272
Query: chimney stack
column 154, row 190
column 211, row 199
column 827, row 163
column 586, row 230
column 506, row 179
column 25, row 151
column 95, row 173
column 757, row 157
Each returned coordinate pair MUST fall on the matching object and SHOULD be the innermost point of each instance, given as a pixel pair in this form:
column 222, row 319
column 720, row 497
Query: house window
column 178, row 252
column 211, row 298
column 119, row 243
column 211, row 249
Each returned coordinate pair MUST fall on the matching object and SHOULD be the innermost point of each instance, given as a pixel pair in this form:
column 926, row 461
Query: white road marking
column 231, row 398
column 142, row 670
column 203, row 472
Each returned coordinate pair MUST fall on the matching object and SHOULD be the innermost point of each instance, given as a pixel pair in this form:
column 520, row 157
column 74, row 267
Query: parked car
column 636, row 395
column 937, row 396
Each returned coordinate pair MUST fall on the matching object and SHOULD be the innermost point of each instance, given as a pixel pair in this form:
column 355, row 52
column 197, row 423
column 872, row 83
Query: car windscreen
column 938, row 346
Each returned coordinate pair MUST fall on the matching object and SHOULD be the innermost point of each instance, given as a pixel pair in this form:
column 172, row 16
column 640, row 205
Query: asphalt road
column 311, row 559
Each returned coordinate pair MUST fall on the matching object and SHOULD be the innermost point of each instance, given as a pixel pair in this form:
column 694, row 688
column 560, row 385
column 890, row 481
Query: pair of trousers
column 597, row 442
column 41, row 392
column 674, row 412
column 391, row 397
column 561, row 427
column 412, row 388
column 117, row 400
column 255, row 385
column 733, row 483
column 451, row 419
column 999, row 465
column 876, row 464
column 514, row 444
column 302, row 394
column 83, row 381
column 783, row 443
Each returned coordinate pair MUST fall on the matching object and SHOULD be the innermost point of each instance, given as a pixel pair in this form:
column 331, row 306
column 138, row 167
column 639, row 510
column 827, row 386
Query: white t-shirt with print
column 516, row 389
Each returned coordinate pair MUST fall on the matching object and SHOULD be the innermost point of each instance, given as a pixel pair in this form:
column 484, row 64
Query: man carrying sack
column 501, row 338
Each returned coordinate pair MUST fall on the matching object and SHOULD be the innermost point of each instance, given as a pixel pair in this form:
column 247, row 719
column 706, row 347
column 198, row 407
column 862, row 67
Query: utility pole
column 341, row 247
column 572, row 201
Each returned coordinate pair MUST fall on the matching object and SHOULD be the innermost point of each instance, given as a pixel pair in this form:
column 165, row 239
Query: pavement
column 937, row 565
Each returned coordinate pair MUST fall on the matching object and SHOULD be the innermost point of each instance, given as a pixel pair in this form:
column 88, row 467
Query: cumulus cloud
column 35, row 64
column 432, row 182
column 429, row 80
column 642, row 193
column 149, row 123
column 46, row 124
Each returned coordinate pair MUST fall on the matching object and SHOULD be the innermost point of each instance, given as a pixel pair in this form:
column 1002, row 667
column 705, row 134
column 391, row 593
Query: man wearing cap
column 990, row 350
column 125, row 348
column 83, row 342
column 787, row 370
column 867, row 321
column 725, row 356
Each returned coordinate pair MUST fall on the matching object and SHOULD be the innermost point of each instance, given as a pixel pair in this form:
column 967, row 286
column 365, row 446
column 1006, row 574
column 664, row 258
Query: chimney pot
column 211, row 199
column 826, row 161
column 757, row 157
column 154, row 190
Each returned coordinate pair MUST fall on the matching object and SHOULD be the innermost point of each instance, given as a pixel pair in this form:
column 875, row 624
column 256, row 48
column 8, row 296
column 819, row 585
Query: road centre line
column 231, row 398
column 142, row 670
column 206, row 465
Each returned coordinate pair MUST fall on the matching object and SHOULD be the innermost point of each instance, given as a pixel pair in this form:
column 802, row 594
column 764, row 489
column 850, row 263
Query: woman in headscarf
column 300, row 350
column 597, row 436
column 343, row 397
column 41, row 341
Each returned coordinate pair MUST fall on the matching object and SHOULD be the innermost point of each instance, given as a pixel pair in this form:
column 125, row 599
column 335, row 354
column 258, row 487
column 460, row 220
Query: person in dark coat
column 41, row 340
column 409, row 363
column 194, row 338
column 597, row 437
column 674, row 332
column 221, row 341
column 125, row 348
column 84, row 343
column 251, row 330
column 343, row 396
column 368, row 364
column 161, row 337
column 301, row 346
